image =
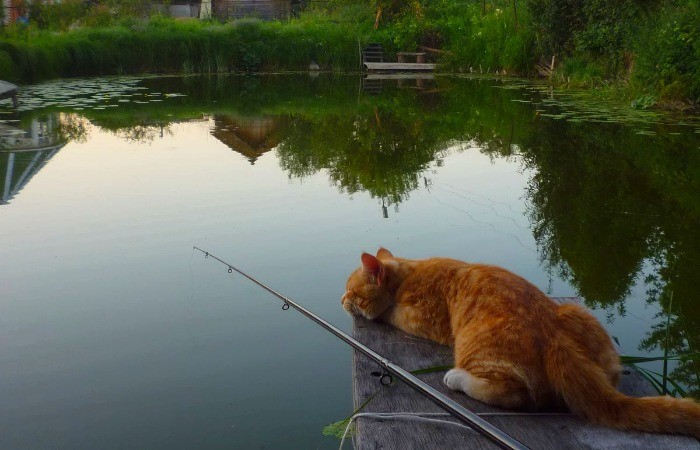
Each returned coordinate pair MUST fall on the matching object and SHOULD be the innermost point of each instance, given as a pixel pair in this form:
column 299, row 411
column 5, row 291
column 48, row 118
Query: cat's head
column 367, row 291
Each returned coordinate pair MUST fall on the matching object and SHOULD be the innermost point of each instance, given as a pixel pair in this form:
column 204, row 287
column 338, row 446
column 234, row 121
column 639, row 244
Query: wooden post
column 379, row 15
column 8, row 176
column 551, row 66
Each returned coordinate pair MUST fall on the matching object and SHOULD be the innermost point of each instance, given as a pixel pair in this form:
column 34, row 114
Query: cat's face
column 366, row 292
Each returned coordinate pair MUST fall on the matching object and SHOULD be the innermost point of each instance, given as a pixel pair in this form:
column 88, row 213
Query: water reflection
column 373, row 83
column 610, row 209
column 25, row 148
column 376, row 152
column 250, row 136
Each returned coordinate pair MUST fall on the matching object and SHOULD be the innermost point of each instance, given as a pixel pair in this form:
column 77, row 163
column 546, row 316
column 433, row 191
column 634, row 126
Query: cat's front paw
column 455, row 378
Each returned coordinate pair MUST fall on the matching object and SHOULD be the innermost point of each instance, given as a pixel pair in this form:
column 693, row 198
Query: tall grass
column 168, row 46
column 472, row 38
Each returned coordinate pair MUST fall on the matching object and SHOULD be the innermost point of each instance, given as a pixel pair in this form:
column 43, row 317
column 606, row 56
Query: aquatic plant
column 660, row 380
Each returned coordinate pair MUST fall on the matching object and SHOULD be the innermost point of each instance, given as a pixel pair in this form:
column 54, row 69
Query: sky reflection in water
column 114, row 334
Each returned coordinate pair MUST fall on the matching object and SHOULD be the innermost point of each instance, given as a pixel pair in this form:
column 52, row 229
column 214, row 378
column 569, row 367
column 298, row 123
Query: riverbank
column 647, row 55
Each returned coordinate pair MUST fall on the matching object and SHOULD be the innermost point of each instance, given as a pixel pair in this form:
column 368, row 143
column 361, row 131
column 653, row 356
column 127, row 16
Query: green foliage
column 340, row 428
column 643, row 102
column 655, row 44
column 337, row 429
column 668, row 58
column 596, row 27
column 554, row 22
column 470, row 38
column 580, row 70
column 165, row 46
column 660, row 381
column 7, row 66
column 130, row 8
column 57, row 16
column 98, row 15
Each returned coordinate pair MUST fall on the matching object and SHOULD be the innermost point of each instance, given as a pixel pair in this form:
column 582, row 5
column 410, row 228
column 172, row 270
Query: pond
column 115, row 334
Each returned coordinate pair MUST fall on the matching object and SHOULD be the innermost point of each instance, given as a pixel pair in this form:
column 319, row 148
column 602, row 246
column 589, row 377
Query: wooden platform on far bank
column 398, row 67
column 543, row 432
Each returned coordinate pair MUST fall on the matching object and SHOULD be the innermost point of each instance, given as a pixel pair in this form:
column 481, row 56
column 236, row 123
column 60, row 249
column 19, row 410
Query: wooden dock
column 373, row 61
column 398, row 67
column 9, row 90
column 562, row 431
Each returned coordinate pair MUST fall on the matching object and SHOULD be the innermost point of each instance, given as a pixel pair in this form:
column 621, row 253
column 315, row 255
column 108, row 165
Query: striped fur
column 513, row 346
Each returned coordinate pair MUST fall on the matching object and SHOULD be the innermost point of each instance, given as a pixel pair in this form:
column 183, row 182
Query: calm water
column 114, row 334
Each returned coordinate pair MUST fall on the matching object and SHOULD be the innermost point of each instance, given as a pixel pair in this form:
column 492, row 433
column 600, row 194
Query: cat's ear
column 384, row 253
column 374, row 267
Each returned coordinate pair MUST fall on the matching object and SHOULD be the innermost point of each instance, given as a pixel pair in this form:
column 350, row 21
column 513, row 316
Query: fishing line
column 479, row 425
column 428, row 418
column 492, row 226
column 483, row 205
column 496, row 202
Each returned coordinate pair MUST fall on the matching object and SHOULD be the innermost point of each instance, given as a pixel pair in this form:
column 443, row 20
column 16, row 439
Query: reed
column 167, row 46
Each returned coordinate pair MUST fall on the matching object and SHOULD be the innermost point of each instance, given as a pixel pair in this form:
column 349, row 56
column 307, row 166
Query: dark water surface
column 113, row 334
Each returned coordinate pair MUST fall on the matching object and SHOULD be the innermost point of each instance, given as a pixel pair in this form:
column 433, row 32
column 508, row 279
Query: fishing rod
column 475, row 422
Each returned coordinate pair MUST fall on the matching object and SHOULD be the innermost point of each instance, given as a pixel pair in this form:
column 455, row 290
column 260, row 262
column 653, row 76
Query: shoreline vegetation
column 644, row 52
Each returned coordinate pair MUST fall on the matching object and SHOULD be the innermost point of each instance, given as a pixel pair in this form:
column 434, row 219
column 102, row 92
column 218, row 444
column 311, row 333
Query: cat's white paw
column 457, row 379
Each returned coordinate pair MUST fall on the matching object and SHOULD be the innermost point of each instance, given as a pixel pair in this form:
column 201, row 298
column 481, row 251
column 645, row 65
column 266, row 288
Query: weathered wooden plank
column 398, row 66
column 538, row 432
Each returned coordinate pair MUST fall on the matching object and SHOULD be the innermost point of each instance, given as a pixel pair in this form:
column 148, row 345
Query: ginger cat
column 514, row 347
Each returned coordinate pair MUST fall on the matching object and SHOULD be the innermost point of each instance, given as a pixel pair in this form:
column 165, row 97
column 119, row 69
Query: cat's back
column 432, row 272
column 455, row 278
column 461, row 280
column 467, row 274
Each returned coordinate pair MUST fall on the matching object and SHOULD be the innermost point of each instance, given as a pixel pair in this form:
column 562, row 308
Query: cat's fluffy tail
column 588, row 392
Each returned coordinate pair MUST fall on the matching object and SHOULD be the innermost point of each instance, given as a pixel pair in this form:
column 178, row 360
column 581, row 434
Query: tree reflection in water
column 609, row 208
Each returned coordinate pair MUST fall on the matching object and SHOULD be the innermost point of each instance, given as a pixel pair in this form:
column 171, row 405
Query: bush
column 98, row 16
column 653, row 43
column 57, row 16
column 668, row 57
